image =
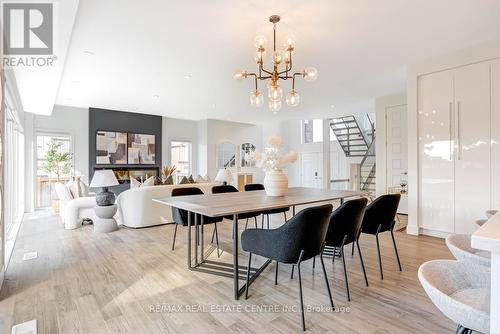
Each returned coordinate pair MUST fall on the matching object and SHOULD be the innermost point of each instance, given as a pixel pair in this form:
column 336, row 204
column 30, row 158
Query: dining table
column 230, row 205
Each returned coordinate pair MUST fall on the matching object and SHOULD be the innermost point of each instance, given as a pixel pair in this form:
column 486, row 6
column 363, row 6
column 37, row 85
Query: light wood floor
column 84, row 282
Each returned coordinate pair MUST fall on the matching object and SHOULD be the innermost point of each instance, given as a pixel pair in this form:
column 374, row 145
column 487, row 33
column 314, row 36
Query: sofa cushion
column 74, row 187
column 190, row 179
column 134, row 183
column 149, row 182
column 200, row 179
column 184, row 180
column 84, row 188
column 169, row 180
column 63, row 192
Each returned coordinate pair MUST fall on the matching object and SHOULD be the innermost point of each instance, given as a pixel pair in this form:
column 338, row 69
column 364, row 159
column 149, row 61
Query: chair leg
column 246, row 224
column 314, row 262
column 248, row 274
column 268, row 222
column 326, row 279
column 284, row 214
column 262, row 221
column 378, row 251
column 291, row 275
column 255, row 219
column 345, row 270
column 213, row 234
column 396, row 249
column 276, row 275
column 352, row 250
column 175, row 234
column 216, row 232
column 362, row 263
column 300, row 293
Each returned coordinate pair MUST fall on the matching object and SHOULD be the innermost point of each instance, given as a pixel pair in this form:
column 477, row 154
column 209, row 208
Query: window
column 14, row 175
column 46, row 177
column 180, row 156
column 312, row 131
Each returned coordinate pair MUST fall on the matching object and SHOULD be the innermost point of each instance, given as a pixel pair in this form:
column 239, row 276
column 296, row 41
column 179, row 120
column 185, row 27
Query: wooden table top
column 216, row 205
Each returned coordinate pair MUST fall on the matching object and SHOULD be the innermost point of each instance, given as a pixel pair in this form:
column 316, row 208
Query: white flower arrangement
column 270, row 159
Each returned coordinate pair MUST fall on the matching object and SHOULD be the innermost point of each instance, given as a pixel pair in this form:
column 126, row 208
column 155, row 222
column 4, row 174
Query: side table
column 105, row 222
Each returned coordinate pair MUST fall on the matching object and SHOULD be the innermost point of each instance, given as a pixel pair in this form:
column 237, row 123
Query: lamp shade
column 224, row 175
column 103, row 178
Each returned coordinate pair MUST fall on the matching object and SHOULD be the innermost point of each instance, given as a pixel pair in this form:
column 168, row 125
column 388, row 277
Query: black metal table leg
column 202, row 240
column 189, row 241
column 235, row 256
column 196, row 239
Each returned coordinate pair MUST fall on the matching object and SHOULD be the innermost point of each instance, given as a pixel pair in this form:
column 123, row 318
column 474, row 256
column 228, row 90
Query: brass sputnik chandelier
column 282, row 70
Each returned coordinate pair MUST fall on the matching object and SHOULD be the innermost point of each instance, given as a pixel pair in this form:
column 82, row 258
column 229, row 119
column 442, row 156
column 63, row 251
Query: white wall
column 459, row 58
column 72, row 121
column 64, row 120
column 291, row 133
column 180, row 130
column 381, row 105
column 236, row 133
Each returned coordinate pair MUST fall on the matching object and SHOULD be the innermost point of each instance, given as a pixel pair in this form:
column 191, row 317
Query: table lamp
column 224, row 175
column 103, row 179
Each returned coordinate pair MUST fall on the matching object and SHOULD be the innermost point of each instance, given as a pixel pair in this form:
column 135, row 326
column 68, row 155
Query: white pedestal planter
column 105, row 222
column 276, row 183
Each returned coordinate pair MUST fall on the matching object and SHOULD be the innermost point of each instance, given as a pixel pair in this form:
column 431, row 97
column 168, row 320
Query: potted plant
column 273, row 163
column 56, row 163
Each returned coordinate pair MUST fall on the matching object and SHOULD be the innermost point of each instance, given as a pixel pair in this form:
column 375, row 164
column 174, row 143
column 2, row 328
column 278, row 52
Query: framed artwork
column 141, row 149
column 111, row 148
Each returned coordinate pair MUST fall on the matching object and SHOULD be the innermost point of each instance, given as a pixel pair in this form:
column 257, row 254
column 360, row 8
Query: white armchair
column 74, row 210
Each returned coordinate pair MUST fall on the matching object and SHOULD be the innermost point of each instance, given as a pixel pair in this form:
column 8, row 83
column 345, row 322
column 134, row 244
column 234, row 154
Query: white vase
column 276, row 183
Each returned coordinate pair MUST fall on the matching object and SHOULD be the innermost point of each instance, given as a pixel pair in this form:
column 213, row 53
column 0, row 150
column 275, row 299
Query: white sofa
column 137, row 209
column 74, row 210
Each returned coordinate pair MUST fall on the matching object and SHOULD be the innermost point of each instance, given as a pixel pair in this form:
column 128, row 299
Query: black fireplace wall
column 120, row 121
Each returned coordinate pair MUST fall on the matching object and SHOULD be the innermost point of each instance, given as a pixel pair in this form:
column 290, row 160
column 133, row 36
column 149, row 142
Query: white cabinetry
column 454, row 116
column 472, row 133
column 435, row 103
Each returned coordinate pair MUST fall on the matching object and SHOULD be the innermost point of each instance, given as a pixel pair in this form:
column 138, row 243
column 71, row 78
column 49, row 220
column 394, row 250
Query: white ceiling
column 143, row 51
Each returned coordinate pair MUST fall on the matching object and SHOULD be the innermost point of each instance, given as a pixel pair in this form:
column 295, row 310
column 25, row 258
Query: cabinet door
column 495, row 134
column 472, row 135
column 436, row 195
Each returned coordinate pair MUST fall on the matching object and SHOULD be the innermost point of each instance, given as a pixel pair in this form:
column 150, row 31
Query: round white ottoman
column 105, row 222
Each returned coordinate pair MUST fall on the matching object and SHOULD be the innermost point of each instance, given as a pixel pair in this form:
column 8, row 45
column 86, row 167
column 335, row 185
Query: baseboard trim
column 434, row 233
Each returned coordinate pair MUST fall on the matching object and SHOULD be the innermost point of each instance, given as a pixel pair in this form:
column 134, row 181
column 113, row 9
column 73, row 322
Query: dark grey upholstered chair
column 345, row 223
column 301, row 238
column 379, row 217
column 258, row 186
column 181, row 216
column 227, row 188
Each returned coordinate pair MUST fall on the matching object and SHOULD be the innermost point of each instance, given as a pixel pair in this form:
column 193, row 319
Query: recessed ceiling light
column 156, row 96
column 88, row 53
column 187, row 76
column 332, row 106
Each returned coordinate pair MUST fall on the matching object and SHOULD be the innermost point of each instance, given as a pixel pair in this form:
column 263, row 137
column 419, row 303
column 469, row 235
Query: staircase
column 358, row 142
